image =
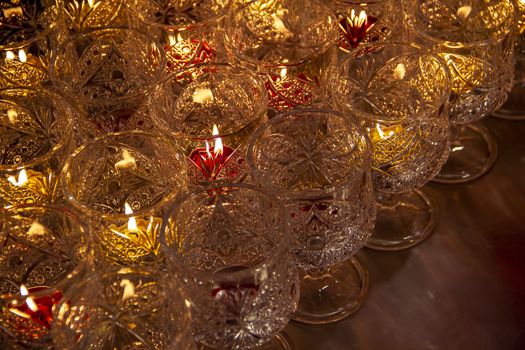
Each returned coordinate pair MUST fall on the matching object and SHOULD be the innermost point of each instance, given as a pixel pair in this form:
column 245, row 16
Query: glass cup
column 230, row 247
column 190, row 31
column 513, row 108
column 45, row 250
column 289, row 43
column 123, row 309
column 35, row 139
column 318, row 163
column 210, row 110
column 81, row 16
column 399, row 93
column 26, row 40
column 121, row 183
column 108, row 72
column 477, row 42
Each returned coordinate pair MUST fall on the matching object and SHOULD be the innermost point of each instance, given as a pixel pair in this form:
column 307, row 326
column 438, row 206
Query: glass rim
column 230, row 66
column 175, row 28
column 83, row 226
column 175, row 261
column 416, row 27
column 67, row 87
column 321, row 49
column 369, row 117
column 42, row 34
column 263, row 178
column 68, row 134
column 94, row 215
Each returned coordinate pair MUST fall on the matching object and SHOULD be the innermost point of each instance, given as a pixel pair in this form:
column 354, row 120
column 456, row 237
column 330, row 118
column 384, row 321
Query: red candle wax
column 43, row 314
column 354, row 29
column 209, row 164
column 188, row 52
column 286, row 92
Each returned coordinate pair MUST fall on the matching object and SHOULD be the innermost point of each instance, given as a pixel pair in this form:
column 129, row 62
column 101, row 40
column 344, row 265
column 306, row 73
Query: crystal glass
column 513, row 108
column 44, row 251
column 400, row 94
column 26, row 40
column 230, row 247
column 81, row 16
column 35, row 139
column 108, row 72
column 120, row 183
column 318, row 163
column 210, row 110
column 128, row 308
column 477, row 42
column 289, row 43
column 190, row 31
column 365, row 21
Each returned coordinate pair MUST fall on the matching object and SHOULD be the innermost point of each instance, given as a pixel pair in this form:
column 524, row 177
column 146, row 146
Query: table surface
column 464, row 287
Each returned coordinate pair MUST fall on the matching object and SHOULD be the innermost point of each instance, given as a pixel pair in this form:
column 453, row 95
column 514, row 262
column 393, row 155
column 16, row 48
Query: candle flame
column 91, row 2
column 23, row 290
column 202, row 95
column 9, row 55
column 464, row 12
column 284, row 71
column 132, row 222
column 22, row 178
column 278, row 23
column 129, row 289
column 400, row 71
column 22, row 55
column 218, row 147
column 127, row 161
column 36, row 229
column 12, row 115
column 381, row 134
column 175, row 39
column 31, row 304
column 19, row 313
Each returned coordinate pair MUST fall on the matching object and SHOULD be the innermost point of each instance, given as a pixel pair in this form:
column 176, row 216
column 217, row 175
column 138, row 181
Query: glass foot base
column 473, row 152
column 333, row 295
column 405, row 220
column 513, row 108
column 280, row 342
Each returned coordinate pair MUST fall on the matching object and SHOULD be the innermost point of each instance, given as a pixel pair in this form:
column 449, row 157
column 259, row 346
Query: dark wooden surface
column 463, row 288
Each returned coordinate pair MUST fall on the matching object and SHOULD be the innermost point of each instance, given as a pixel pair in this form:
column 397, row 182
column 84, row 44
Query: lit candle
column 37, row 310
column 286, row 92
column 235, row 295
column 216, row 161
column 354, row 29
column 29, row 186
column 23, row 68
column 391, row 144
column 134, row 241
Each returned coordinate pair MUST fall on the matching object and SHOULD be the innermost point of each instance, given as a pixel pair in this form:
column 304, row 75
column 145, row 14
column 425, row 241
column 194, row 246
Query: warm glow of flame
column 218, row 148
column 22, row 178
column 127, row 161
column 132, row 222
column 36, row 229
column 91, row 3
column 129, row 289
column 278, row 23
column 175, row 39
column 381, row 134
column 284, row 71
column 202, row 95
column 23, row 291
column 31, row 304
column 400, row 71
column 13, row 11
column 12, row 115
column 9, row 55
column 358, row 21
column 22, row 55
column 464, row 12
